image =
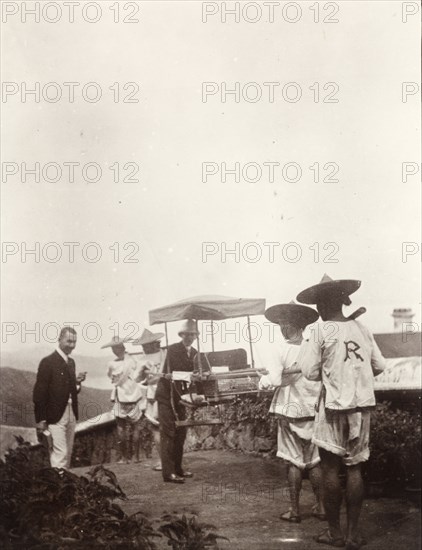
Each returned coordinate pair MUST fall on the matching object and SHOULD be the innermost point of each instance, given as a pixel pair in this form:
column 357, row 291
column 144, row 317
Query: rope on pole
column 212, row 334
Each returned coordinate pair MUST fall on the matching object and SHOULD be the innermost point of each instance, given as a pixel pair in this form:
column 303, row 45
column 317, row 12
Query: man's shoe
column 173, row 478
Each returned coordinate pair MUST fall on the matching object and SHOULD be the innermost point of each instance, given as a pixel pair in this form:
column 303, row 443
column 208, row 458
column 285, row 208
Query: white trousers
column 63, row 434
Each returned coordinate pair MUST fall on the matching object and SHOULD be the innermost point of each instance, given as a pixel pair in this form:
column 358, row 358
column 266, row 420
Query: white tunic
column 345, row 356
column 295, row 397
column 154, row 362
column 129, row 397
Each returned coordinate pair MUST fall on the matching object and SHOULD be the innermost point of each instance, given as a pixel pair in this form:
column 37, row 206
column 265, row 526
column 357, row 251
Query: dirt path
column 243, row 497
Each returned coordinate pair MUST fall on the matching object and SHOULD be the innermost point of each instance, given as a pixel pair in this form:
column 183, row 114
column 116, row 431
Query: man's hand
column 41, row 426
column 153, row 379
column 142, row 374
column 265, row 383
column 198, row 399
column 81, row 377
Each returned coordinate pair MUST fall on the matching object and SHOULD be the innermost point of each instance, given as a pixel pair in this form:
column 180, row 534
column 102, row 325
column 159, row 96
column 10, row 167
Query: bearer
column 343, row 354
column 294, row 404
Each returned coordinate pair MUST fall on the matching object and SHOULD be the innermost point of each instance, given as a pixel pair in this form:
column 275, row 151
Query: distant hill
column 16, row 387
column 28, row 357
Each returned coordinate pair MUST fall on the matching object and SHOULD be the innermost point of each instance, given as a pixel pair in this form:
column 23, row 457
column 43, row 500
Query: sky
column 151, row 231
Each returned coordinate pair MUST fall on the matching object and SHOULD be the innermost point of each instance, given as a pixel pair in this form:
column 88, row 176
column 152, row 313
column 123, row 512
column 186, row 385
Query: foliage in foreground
column 186, row 533
column 50, row 509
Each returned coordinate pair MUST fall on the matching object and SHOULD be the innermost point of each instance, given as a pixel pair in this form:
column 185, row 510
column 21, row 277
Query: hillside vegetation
column 16, row 398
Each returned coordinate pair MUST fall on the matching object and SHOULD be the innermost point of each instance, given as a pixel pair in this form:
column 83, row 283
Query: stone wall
column 241, row 436
column 95, row 446
column 250, row 430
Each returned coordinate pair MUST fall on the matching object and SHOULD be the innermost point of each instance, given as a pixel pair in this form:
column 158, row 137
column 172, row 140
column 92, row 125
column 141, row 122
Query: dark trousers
column 172, row 439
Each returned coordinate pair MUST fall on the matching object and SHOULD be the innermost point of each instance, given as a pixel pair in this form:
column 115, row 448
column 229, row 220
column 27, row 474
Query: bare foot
column 291, row 517
column 327, row 538
column 318, row 512
column 356, row 543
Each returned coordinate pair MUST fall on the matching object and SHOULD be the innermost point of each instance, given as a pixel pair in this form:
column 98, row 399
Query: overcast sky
column 171, row 212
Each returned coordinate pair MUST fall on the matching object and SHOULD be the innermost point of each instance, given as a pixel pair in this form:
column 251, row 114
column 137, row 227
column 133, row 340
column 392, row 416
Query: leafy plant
column 395, row 445
column 47, row 508
column 408, row 426
column 186, row 533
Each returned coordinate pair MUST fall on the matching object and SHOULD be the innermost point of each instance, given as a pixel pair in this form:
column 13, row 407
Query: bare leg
column 354, row 500
column 129, row 439
column 315, row 477
column 156, row 435
column 332, row 494
column 147, row 436
column 120, row 439
column 294, row 477
column 136, row 440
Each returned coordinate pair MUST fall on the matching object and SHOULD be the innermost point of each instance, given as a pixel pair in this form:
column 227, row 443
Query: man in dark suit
column 56, row 398
column 180, row 357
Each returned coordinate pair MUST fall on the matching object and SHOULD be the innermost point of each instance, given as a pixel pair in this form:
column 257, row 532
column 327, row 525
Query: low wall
column 246, row 426
column 248, row 429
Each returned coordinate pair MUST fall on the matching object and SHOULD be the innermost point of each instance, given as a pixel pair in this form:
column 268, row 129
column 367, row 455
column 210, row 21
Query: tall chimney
column 402, row 316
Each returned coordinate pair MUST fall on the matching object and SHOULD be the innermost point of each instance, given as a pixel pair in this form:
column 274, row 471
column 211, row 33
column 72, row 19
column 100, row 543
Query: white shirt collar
column 62, row 354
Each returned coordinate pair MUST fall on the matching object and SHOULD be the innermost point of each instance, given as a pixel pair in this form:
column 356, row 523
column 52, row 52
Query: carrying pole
column 199, row 351
column 250, row 341
column 167, row 337
column 212, row 334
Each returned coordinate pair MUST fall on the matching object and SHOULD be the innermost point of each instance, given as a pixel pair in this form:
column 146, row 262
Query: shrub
column 395, row 445
column 186, row 533
column 51, row 508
